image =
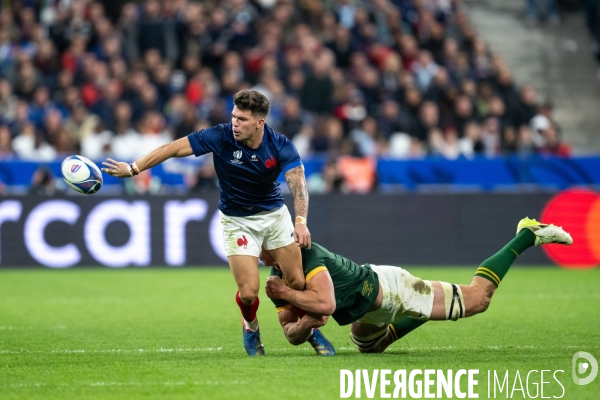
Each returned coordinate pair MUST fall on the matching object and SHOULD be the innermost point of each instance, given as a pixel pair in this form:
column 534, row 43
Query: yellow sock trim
column 394, row 334
column 489, row 273
column 515, row 252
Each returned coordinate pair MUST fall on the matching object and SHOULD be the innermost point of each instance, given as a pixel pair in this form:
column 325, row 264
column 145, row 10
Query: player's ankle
column 253, row 325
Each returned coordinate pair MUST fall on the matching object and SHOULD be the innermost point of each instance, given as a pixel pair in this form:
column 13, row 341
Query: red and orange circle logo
column 578, row 212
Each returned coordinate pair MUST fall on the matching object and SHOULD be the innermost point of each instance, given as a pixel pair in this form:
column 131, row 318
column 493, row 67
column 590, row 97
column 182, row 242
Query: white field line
column 83, row 351
column 459, row 348
column 20, row 328
column 113, row 383
column 210, row 349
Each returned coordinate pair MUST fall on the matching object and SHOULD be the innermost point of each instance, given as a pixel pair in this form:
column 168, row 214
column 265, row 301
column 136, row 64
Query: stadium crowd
column 392, row 78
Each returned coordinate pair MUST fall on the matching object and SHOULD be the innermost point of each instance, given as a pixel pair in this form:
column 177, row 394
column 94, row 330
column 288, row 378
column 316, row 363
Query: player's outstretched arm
column 178, row 148
column 317, row 298
column 298, row 331
column 297, row 184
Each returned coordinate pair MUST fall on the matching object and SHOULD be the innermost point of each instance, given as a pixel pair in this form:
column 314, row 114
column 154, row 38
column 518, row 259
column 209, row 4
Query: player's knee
column 248, row 295
column 480, row 302
column 484, row 302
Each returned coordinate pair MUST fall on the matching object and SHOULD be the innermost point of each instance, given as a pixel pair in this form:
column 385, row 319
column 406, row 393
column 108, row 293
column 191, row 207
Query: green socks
column 494, row 268
column 404, row 327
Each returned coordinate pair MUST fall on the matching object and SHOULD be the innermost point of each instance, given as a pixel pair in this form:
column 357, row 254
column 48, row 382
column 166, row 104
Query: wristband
column 301, row 220
column 135, row 168
column 132, row 172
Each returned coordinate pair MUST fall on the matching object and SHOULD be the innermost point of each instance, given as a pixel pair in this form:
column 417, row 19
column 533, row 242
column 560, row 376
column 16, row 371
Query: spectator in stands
column 97, row 145
column 464, row 113
column 444, row 143
column 318, row 87
column 293, row 118
column 6, row 150
column 126, row 139
column 206, row 177
column 429, row 120
column 30, row 145
column 526, row 145
column 527, row 106
column 553, row 145
column 21, row 118
column 43, row 183
column 366, row 137
column 332, row 178
column 471, row 145
column 393, row 118
column 82, row 123
column 8, row 51
column 8, row 101
column 509, row 143
column 491, row 137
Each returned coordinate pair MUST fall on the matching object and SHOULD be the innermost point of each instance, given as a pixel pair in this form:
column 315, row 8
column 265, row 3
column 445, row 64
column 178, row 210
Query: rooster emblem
column 242, row 242
column 271, row 162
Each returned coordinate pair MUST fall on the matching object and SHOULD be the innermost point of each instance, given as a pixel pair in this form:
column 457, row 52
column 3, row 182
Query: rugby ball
column 81, row 174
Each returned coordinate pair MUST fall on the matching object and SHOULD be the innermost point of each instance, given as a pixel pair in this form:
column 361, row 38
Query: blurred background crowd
column 402, row 79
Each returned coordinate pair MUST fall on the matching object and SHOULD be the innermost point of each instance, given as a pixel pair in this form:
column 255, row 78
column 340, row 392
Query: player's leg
column 460, row 301
column 245, row 273
column 405, row 304
column 375, row 339
column 279, row 240
column 242, row 247
column 290, row 261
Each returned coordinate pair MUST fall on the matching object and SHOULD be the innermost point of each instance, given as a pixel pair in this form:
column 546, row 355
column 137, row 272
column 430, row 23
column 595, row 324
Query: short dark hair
column 253, row 101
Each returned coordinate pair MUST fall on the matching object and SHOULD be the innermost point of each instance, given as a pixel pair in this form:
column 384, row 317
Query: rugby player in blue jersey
column 248, row 157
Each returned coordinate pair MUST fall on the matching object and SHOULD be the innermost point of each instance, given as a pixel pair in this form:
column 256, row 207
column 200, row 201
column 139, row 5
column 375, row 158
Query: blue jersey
column 247, row 177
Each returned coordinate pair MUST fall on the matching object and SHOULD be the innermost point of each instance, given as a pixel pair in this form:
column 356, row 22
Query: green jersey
column 356, row 286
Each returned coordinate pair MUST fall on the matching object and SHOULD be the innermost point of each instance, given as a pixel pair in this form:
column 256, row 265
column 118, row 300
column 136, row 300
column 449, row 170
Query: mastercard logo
column 578, row 212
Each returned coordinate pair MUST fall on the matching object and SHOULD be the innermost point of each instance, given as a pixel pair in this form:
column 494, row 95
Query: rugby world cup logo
column 75, row 168
column 578, row 212
column 236, row 157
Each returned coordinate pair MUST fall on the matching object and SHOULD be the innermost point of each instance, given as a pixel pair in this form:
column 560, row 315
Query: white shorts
column 246, row 235
column 404, row 295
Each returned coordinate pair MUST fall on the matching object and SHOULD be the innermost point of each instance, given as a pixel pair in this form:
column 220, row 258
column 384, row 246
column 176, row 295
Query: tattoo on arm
column 297, row 184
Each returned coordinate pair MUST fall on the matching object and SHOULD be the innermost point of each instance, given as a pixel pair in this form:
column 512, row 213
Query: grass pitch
column 175, row 333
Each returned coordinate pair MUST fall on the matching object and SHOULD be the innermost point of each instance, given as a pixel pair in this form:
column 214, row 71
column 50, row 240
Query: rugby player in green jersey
column 384, row 303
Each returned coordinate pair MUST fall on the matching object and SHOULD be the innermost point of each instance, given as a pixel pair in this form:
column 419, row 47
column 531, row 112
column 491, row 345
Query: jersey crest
column 271, row 163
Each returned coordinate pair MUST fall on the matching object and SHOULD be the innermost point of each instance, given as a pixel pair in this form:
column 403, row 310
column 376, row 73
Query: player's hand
column 116, row 168
column 302, row 235
column 275, row 288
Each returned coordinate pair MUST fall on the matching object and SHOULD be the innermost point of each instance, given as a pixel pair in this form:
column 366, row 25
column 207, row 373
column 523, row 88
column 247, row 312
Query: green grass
column 175, row 333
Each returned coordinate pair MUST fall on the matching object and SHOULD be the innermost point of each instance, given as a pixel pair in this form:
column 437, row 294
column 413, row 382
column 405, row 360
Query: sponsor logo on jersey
column 271, row 162
column 236, row 157
column 242, row 242
column 75, row 167
column 253, row 158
